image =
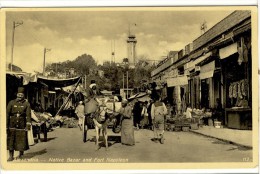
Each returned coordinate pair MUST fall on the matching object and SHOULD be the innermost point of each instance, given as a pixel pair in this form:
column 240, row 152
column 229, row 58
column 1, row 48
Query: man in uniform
column 18, row 114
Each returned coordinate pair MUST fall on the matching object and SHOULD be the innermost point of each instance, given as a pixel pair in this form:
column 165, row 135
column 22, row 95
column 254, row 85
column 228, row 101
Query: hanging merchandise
column 239, row 93
column 244, row 87
column 243, row 52
column 235, row 90
column 230, row 91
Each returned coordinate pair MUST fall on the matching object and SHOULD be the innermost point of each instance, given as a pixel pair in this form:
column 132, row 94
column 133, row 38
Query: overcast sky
column 73, row 33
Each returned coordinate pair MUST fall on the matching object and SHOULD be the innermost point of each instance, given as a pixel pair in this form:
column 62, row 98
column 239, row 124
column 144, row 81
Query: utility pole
column 44, row 54
column 124, row 84
column 15, row 24
column 127, row 84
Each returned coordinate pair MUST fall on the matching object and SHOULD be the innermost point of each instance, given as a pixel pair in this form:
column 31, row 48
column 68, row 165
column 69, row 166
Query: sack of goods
column 91, row 106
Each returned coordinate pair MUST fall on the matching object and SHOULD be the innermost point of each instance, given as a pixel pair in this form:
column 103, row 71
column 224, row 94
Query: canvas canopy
column 58, row 82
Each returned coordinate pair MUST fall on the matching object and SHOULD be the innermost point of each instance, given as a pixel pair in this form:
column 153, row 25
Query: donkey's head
column 102, row 108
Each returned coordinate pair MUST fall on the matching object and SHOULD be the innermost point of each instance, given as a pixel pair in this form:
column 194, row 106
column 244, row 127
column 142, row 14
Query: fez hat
column 20, row 90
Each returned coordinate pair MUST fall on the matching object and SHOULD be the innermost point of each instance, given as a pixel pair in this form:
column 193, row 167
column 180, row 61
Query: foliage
column 82, row 64
column 113, row 73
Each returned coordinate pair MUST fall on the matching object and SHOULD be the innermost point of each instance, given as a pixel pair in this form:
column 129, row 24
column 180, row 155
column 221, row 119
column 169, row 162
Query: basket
column 217, row 124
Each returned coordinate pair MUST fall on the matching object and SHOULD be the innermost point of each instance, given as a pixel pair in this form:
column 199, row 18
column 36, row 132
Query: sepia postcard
column 129, row 88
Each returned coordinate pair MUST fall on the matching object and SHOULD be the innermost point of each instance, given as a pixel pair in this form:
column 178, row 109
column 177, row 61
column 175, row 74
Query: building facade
column 215, row 66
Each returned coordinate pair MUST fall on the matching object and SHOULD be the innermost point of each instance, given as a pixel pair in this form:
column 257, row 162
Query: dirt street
column 66, row 145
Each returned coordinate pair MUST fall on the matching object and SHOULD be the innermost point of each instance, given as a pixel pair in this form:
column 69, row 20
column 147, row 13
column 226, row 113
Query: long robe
column 18, row 114
column 127, row 130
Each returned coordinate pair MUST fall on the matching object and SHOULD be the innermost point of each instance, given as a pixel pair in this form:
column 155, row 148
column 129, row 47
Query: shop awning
column 58, row 82
column 227, row 51
column 177, row 81
column 191, row 65
column 26, row 77
column 207, row 71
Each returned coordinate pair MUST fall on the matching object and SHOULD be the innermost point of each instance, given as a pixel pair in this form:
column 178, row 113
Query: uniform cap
column 20, row 90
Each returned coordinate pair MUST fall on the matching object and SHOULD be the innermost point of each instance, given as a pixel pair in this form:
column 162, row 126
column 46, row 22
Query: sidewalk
column 239, row 137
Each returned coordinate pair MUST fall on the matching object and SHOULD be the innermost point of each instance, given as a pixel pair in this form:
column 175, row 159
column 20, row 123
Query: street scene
column 129, row 86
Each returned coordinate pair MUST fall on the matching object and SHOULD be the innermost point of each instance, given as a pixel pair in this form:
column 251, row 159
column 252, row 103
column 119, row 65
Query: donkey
column 101, row 119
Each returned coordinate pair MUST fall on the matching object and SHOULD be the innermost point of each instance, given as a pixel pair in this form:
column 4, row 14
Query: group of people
column 157, row 116
column 19, row 120
column 134, row 115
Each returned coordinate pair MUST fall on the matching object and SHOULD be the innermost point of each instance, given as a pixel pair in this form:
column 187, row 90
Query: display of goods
column 208, row 114
column 194, row 126
column 235, row 90
column 185, row 128
column 244, row 87
column 230, row 91
column 170, row 120
column 217, row 124
column 177, row 128
column 239, row 92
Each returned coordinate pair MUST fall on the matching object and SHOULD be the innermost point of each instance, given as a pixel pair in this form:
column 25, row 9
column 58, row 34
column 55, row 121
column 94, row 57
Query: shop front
column 179, row 84
column 236, row 71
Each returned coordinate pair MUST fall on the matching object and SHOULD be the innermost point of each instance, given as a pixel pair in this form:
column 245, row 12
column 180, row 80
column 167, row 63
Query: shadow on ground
column 111, row 140
column 33, row 154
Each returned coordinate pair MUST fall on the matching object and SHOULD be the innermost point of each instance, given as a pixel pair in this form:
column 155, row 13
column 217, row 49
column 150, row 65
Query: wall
column 224, row 25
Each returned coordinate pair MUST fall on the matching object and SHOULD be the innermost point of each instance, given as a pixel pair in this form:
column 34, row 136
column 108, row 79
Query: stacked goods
column 217, row 124
column 194, row 126
column 70, row 122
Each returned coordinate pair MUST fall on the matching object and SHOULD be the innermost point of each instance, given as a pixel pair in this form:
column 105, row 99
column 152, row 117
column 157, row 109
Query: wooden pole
column 67, row 99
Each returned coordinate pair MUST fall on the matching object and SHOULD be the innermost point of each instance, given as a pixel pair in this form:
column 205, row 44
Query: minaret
column 131, row 42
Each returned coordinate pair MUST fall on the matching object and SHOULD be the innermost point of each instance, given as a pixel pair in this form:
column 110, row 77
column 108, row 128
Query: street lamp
column 44, row 53
column 15, row 24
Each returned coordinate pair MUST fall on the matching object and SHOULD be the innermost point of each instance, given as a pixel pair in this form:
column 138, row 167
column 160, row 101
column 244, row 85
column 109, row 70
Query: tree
column 82, row 64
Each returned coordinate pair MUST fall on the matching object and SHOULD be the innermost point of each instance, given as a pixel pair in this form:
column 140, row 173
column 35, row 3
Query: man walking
column 80, row 114
column 158, row 112
column 18, row 114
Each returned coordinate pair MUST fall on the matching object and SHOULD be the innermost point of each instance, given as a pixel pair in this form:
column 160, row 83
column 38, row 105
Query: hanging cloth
column 244, row 87
column 243, row 52
column 235, row 90
column 239, row 93
column 230, row 91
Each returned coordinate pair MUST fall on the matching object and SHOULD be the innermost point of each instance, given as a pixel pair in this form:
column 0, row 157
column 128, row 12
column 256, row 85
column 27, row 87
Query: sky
column 70, row 34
